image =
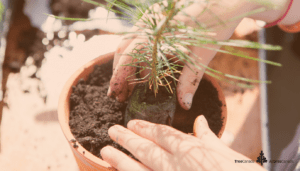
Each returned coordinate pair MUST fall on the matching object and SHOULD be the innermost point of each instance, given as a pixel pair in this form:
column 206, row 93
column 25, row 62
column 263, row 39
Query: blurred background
column 38, row 53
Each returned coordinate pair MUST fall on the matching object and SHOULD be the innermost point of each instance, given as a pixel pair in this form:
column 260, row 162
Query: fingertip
column 183, row 106
column 109, row 92
column 201, row 121
column 122, row 97
column 179, row 95
column 118, row 92
column 201, row 127
column 187, row 86
column 137, row 124
column 185, row 99
column 131, row 124
column 112, row 131
column 105, row 152
column 108, row 154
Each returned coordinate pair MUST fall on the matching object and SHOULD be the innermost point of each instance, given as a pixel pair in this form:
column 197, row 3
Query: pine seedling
column 164, row 35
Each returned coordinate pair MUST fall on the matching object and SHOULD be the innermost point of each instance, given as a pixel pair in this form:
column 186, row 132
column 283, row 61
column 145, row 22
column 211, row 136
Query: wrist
column 274, row 11
column 293, row 15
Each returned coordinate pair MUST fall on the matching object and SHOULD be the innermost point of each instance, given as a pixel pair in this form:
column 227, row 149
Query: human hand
column 163, row 148
column 121, row 87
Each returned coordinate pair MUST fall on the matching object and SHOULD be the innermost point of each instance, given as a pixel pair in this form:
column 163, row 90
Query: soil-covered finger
column 187, row 85
column 126, row 41
column 133, row 33
column 125, row 71
column 192, row 75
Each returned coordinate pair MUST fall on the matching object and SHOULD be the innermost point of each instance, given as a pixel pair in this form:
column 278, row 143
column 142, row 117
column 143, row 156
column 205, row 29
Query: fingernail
column 131, row 123
column 201, row 121
column 108, row 91
column 113, row 133
column 116, row 128
column 105, row 151
column 187, row 100
column 200, row 127
column 138, row 124
column 111, row 130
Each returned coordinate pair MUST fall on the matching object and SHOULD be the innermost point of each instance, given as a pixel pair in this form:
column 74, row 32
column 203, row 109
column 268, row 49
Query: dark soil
column 92, row 112
column 162, row 95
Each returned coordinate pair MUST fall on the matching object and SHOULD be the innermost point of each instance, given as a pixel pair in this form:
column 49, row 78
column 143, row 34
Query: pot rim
column 221, row 96
column 83, row 72
column 64, row 106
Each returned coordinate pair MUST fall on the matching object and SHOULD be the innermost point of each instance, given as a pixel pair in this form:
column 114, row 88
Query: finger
column 143, row 149
column 119, row 85
column 166, row 137
column 201, row 128
column 121, row 161
column 129, row 90
column 144, row 74
column 188, row 84
column 127, row 39
column 192, row 75
column 203, row 133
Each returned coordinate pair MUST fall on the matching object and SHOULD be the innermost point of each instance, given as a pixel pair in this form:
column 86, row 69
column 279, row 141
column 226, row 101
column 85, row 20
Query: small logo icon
column 261, row 158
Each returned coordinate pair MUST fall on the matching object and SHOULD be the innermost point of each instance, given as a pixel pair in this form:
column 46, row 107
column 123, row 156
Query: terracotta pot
column 215, row 83
column 85, row 159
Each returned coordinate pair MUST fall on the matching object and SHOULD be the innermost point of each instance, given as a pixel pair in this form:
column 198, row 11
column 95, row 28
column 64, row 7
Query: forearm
column 226, row 9
column 271, row 15
column 293, row 15
column 218, row 16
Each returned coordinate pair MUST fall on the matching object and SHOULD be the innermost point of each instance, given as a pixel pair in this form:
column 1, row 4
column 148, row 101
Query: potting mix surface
column 92, row 112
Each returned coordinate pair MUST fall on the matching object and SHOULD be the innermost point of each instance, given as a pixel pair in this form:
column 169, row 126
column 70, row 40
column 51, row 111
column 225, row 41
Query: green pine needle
column 159, row 28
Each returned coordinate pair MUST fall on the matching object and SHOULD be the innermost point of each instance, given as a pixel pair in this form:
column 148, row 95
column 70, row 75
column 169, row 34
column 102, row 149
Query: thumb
column 192, row 74
column 201, row 128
